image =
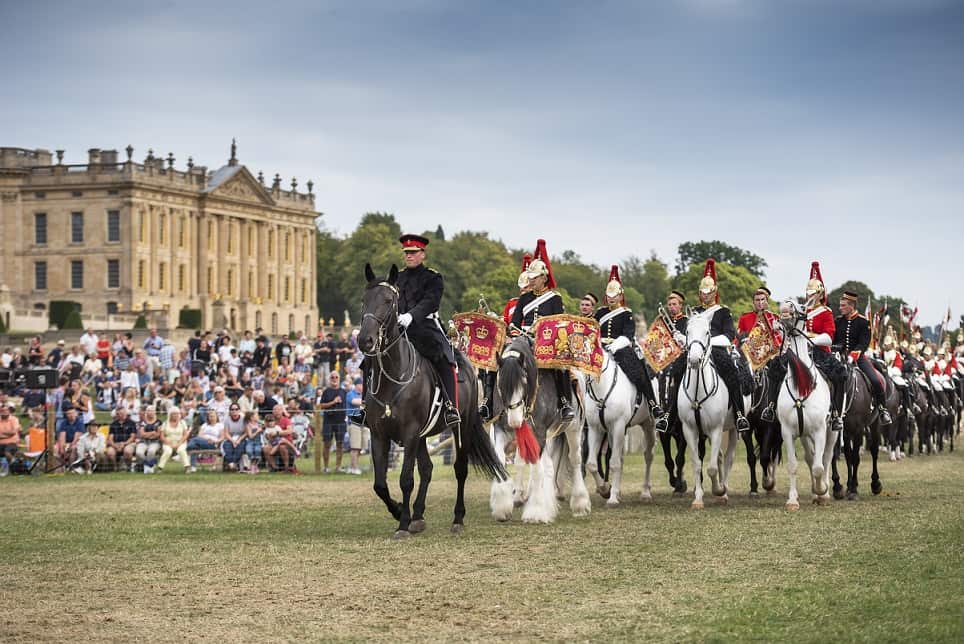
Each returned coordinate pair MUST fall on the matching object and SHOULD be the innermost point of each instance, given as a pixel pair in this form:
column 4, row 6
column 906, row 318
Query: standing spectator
column 322, row 353
column 225, row 348
column 121, row 439
column 148, row 440
column 103, row 350
column 303, row 350
column 73, row 364
column 89, row 341
column 123, row 352
column 6, row 357
column 129, row 378
column 232, row 439
column 356, row 432
column 166, row 361
column 207, row 437
column 91, row 450
column 174, row 435
column 344, row 351
column 69, row 432
column 9, row 432
column 283, row 349
column 56, row 356
column 35, row 352
column 131, row 402
column 247, row 344
column 201, row 359
column 331, row 400
column 262, row 355
column 153, row 344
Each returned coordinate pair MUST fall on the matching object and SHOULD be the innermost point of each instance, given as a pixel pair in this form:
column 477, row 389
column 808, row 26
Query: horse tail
column 479, row 449
column 802, row 378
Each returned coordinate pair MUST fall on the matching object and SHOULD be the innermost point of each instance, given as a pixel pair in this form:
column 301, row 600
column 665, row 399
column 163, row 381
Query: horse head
column 697, row 339
column 379, row 324
column 793, row 317
column 517, row 379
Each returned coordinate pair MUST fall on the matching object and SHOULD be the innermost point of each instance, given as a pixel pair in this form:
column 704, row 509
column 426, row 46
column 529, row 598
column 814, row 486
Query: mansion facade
column 124, row 238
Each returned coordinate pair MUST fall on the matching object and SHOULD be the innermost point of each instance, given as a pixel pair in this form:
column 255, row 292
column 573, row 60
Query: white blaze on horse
column 530, row 400
column 803, row 407
column 703, row 403
column 610, row 409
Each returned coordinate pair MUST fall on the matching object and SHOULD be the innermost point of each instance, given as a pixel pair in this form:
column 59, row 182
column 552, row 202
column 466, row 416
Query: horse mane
column 513, row 372
column 802, row 378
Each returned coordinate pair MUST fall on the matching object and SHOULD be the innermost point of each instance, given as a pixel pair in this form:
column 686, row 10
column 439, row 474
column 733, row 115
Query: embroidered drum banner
column 659, row 347
column 480, row 337
column 567, row 341
column 760, row 345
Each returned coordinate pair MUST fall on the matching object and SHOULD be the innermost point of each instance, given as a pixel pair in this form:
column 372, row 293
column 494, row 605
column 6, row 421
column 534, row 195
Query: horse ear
column 393, row 274
column 369, row 273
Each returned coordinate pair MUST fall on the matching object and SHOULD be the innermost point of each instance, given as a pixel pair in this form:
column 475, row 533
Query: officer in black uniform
column 673, row 374
column 853, row 334
column 539, row 301
column 419, row 297
column 617, row 329
column 722, row 333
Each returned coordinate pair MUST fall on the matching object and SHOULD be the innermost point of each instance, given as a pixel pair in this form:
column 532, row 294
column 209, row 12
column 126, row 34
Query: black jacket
column 721, row 323
column 419, row 293
column 852, row 334
column 552, row 306
column 621, row 324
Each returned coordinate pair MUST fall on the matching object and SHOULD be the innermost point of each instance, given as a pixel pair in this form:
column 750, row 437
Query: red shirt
column 820, row 320
column 103, row 348
column 509, row 310
column 748, row 320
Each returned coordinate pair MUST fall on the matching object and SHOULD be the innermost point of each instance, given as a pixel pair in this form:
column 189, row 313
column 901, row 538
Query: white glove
column 619, row 343
column 720, row 341
column 404, row 320
column 680, row 338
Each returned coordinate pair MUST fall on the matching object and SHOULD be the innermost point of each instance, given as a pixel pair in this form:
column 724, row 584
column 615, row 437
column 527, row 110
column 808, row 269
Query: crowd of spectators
column 249, row 399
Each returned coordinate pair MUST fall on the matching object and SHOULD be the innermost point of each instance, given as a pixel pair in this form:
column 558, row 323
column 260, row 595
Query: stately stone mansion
column 124, row 238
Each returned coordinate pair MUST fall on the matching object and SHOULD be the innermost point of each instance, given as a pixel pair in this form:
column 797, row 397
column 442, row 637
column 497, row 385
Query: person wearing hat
column 722, row 334
column 420, row 291
column 761, row 309
column 539, row 301
column 617, row 330
column 671, row 376
column 852, row 336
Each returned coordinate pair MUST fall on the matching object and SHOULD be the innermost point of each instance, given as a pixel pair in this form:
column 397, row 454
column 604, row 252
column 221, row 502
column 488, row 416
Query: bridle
column 379, row 352
column 696, row 402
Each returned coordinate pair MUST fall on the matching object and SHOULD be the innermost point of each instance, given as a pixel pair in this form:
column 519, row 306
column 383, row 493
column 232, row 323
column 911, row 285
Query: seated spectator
column 132, row 403
column 253, row 434
column 56, row 356
column 129, row 378
column 148, row 440
column 121, row 439
column 68, row 433
column 91, row 450
column 208, row 436
column 73, row 365
column 106, row 391
column 219, row 402
column 174, row 435
column 278, row 446
column 9, row 432
column 93, row 367
column 232, row 438
column 332, row 402
column 300, row 426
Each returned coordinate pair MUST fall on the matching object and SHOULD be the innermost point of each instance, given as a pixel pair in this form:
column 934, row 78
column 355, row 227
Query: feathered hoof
column 604, row 490
column 401, row 535
column 822, row 500
column 518, row 503
column 697, row 504
column 723, row 500
column 720, row 491
column 457, row 528
column 612, row 501
column 417, row 526
column 792, row 506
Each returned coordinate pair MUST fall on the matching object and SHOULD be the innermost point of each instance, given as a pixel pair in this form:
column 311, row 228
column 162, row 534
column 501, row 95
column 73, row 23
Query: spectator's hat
column 413, row 243
column 218, row 388
column 358, row 381
column 60, row 341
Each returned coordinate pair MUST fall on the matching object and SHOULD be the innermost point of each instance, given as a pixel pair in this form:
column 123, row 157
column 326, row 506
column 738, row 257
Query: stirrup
column 662, row 423
column 451, row 414
column 836, row 424
column 565, row 410
column 767, row 415
column 655, row 410
column 742, row 424
column 885, row 418
column 359, row 418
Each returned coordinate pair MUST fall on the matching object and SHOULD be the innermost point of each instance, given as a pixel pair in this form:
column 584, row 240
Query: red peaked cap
column 525, row 261
column 541, row 253
column 709, row 270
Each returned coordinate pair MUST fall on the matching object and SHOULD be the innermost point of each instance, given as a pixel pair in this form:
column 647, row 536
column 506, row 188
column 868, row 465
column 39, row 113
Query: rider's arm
column 431, row 298
column 721, row 328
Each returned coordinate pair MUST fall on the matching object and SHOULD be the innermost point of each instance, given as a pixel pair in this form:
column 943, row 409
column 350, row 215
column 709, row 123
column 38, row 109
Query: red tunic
column 748, row 320
column 951, row 367
column 820, row 320
column 509, row 310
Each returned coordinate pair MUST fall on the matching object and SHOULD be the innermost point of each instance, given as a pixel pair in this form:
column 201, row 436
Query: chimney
column 93, row 156
column 108, row 157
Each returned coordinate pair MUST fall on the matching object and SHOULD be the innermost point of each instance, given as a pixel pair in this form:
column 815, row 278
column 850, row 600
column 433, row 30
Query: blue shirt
column 349, row 399
column 72, row 428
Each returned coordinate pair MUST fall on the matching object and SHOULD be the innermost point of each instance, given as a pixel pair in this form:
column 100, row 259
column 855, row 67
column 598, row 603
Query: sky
column 798, row 130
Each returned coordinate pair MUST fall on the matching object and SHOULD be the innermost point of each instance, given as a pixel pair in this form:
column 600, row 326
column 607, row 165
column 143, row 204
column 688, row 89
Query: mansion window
column 76, row 274
column 40, row 228
column 40, row 276
column 77, row 228
column 113, row 273
column 113, row 226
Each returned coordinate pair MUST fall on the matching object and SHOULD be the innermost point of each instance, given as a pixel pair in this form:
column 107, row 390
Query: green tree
column 690, row 253
column 650, row 278
column 736, row 283
column 374, row 241
column 331, row 300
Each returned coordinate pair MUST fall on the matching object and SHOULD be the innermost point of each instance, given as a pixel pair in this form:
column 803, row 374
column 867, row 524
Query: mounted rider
column 617, row 330
column 894, row 362
column 419, row 297
column 722, row 334
column 539, row 301
column 776, row 370
column 673, row 374
column 852, row 337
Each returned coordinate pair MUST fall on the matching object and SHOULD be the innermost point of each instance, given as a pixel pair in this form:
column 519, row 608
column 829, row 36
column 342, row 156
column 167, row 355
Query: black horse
column 861, row 419
column 404, row 404
column 766, row 435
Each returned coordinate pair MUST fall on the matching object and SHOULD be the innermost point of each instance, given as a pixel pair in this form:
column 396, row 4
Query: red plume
column 614, row 274
column 527, row 444
column 542, row 254
column 525, row 262
column 709, row 270
column 815, row 272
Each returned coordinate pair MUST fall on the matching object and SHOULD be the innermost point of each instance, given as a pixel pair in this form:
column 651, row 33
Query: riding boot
column 488, row 387
column 728, row 373
column 885, row 418
column 645, row 385
column 450, row 380
column 776, row 371
column 836, row 406
column 564, row 389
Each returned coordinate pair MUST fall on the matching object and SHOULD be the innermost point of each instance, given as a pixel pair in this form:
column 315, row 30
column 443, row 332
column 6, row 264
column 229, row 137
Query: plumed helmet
column 815, row 286
column 708, row 284
column 889, row 342
column 928, row 352
column 523, row 278
column 542, row 255
column 614, row 287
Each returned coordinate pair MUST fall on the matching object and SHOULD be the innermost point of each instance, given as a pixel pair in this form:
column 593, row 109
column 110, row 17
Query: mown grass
column 216, row 556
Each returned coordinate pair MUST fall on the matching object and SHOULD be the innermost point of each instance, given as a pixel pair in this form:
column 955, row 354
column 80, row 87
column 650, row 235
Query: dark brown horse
column 861, row 420
column 403, row 405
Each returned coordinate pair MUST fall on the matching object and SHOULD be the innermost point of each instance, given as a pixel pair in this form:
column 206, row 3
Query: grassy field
column 279, row 557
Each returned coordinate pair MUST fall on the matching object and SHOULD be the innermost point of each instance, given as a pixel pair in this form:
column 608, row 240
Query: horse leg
column 852, row 452
column 579, row 501
column 827, row 459
column 818, row 469
column 751, row 461
column 729, row 456
column 542, row 506
column 874, row 445
column 692, row 442
column 649, row 441
column 665, row 441
column 595, row 443
column 500, row 494
column 617, row 436
column 793, row 499
column 380, row 468
column 837, row 487
column 424, row 462
column 713, row 469
column 461, row 467
column 407, row 482
column 522, row 483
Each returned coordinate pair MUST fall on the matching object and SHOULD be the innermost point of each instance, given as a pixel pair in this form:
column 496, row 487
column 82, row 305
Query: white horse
column 703, row 402
column 529, row 396
column 803, row 407
column 611, row 408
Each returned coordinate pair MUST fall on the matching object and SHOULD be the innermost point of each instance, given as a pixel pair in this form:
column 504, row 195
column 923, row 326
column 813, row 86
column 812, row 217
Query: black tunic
column 621, row 324
column 420, row 294
column 552, row 306
column 721, row 322
column 852, row 334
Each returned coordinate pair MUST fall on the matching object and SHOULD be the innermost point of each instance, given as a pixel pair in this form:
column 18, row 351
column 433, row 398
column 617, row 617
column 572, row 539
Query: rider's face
column 708, row 298
column 674, row 305
column 760, row 302
column 585, row 307
column 846, row 307
column 414, row 258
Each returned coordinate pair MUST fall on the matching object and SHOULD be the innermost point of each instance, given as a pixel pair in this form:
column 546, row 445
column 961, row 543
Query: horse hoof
column 838, row 494
column 613, row 502
column 646, row 497
column 754, row 494
column 417, row 526
column 822, row 500
column 876, row 487
column 518, row 503
column 457, row 528
column 678, row 493
column 853, row 496
column 682, row 486
column 604, row 490
column 792, row 506
column 769, row 485
column 723, row 500
column 696, row 505
column 401, row 535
